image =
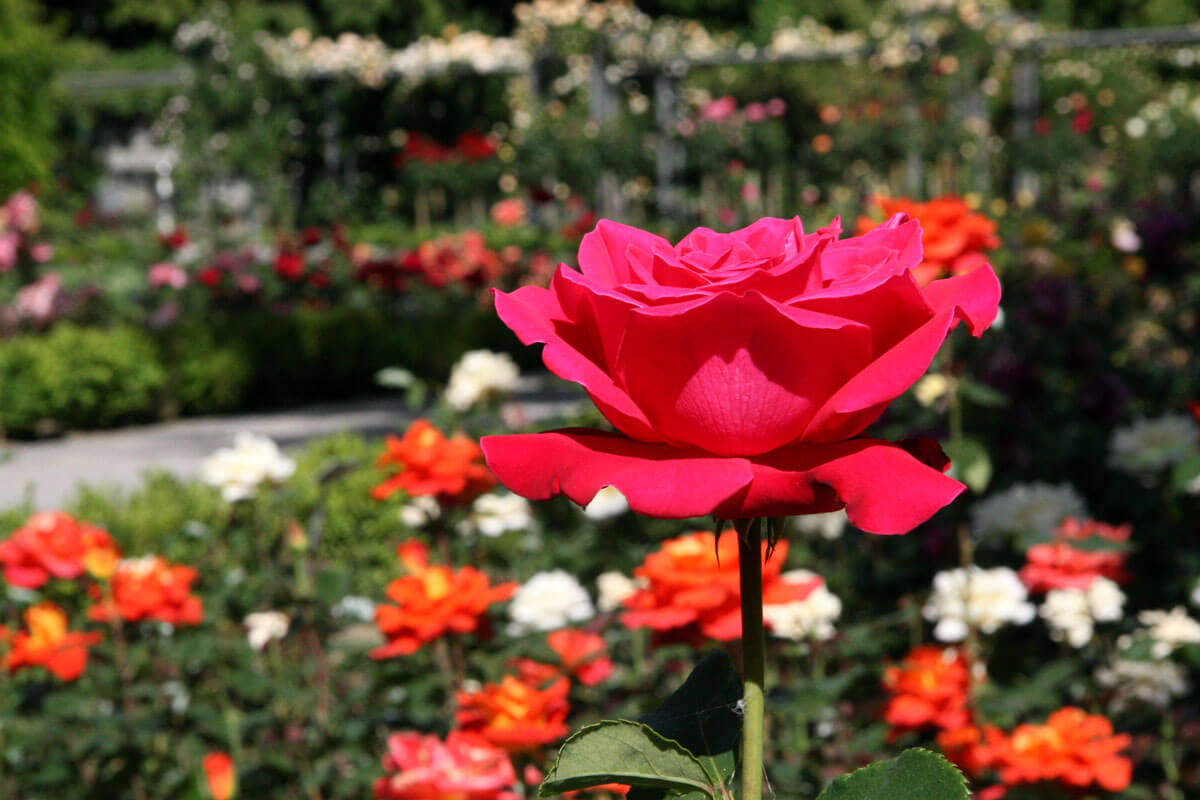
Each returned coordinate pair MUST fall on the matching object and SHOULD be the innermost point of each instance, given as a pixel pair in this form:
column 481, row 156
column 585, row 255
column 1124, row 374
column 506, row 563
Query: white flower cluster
column 548, row 601
column 1169, row 630
column 1163, row 115
column 810, row 618
column 1027, row 507
column 263, row 627
column 355, row 607
column 420, row 511
column 494, row 514
column 479, row 375
column 973, row 597
column 1072, row 614
column 1150, row 445
column 372, row 62
column 1153, row 683
column 252, row 461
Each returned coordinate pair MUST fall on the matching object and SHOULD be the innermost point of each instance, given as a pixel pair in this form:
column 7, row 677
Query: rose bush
column 740, row 369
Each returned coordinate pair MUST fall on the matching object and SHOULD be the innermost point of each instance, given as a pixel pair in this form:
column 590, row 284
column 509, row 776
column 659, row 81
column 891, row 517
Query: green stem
column 753, row 656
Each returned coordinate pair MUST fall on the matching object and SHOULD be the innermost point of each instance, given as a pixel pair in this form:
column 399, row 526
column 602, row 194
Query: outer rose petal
column 973, row 297
column 883, row 486
column 534, row 315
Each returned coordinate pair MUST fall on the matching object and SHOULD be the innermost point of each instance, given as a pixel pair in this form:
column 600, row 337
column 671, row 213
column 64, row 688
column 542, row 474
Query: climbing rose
column 739, row 370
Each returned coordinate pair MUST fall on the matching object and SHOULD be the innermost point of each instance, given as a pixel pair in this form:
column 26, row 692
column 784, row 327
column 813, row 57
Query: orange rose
column 1073, row 748
column 583, row 655
column 515, row 714
column 47, row 643
column 149, row 588
column 955, row 239
column 432, row 601
column 53, row 544
column 692, row 584
column 452, row 470
column 930, row 688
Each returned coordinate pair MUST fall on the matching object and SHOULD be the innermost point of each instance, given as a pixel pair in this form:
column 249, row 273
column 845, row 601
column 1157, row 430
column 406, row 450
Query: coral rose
column 583, row 655
column 1057, row 565
column 692, row 584
column 516, row 714
column 930, row 688
column 47, row 643
column 1073, row 748
column 432, row 601
column 739, row 368
column 450, row 470
column 149, row 588
column 53, row 544
column 465, row 767
column 955, row 238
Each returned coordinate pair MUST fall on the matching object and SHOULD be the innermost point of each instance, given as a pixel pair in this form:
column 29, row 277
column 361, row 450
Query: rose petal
column 883, row 486
column 536, row 316
column 604, row 253
column 736, row 375
column 973, row 298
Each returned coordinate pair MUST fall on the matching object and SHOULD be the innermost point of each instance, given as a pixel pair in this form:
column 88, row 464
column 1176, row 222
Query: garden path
column 46, row 473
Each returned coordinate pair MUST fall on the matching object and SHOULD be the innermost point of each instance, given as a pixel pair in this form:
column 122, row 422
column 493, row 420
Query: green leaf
column 970, row 463
column 1185, row 472
column 700, row 714
column 621, row 751
column 983, row 395
column 914, row 773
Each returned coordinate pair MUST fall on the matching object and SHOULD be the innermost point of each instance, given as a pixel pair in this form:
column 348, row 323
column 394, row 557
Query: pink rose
column 466, row 766
column 740, row 369
column 165, row 273
column 22, row 211
column 756, row 112
column 37, row 301
column 10, row 244
column 720, row 109
column 41, row 252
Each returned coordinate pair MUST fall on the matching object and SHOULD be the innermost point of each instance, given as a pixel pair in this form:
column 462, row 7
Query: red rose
column 289, row 266
column 739, row 369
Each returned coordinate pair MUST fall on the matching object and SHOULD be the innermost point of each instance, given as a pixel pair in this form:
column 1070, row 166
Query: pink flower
column 21, row 210
column 776, row 107
column 165, row 273
column 37, row 301
column 465, row 767
column 10, row 243
column 720, row 109
column 740, row 369
column 756, row 112
column 509, row 213
column 41, row 252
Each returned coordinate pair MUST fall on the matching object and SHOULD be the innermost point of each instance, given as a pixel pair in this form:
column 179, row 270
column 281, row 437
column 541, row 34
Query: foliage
column 28, row 104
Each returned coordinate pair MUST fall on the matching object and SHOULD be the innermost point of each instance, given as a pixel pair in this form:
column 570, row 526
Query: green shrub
column 27, row 99
column 79, row 377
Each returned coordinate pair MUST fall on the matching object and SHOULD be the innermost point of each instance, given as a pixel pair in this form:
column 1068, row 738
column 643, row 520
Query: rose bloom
column 289, row 265
column 431, row 601
column 739, row 369
column 52, row 544
column 509, row 213
column 166, row 274
column 451, row 470
column 149, row 588
column 465, row 767
column 956, row 239
column 692, row 585
column 583, row 655
column 1073, row 748
column 220, row 775
column 971, row 748
column 930, row 688
column 47, row 643
column 1057, row 565
column 516, row 714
